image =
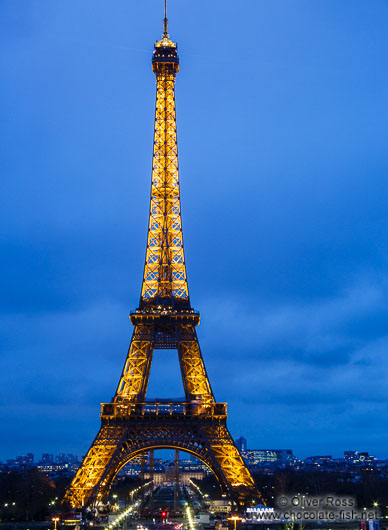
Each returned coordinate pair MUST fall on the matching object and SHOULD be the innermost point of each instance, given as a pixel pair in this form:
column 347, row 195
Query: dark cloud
column 284, row 173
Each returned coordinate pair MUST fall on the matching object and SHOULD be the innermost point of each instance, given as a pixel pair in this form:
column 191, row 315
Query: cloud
column 321, row 331
column 64, row 357
column 295, row 365
column 307, row 367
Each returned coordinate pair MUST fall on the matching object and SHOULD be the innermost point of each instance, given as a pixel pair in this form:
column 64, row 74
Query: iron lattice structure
column 164, row 320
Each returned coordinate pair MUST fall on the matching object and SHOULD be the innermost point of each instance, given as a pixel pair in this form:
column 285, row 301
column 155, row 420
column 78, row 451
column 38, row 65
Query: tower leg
column 142, row 473
column 233, row 467
column 195, row 379
column 88, row 476
column 152, row 470
column 135, row 375
column 176, row 481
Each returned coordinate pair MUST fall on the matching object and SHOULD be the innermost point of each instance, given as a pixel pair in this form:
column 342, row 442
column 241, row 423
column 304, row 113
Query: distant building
column 169, row 476
column 25, row 460
column 356, row 458
column 255, row 457
column 350, row 456
column 189, row 465
column 241, row 444
column 219, row 506
column 319, row 461
column 48, row 467
column 63, row 458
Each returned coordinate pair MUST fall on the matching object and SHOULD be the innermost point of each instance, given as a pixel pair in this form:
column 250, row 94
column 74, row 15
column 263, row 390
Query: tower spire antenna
column 165, row 20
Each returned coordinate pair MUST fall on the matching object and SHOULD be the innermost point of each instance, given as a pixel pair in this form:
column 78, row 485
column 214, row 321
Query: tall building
column 241, row 444
column 356, row 458
column 350, row 456
column 60, row 459
column 321, row 460
column 25, row 460
column 255, row 457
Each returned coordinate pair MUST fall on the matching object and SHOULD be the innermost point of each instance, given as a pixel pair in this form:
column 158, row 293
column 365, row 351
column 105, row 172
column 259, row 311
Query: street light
column 55, row 519
column 235, row 518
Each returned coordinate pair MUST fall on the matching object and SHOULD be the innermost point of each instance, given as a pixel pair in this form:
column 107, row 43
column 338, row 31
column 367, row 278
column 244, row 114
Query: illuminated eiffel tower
column 130, row 425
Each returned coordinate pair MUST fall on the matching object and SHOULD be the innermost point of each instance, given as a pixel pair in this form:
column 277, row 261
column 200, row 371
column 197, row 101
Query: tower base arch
column 126, row 433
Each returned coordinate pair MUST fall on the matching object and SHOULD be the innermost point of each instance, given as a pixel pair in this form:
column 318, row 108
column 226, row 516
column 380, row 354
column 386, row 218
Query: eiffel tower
column 165, row 319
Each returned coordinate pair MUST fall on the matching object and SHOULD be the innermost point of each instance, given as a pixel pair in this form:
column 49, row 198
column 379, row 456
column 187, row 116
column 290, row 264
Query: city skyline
column 283, row 175
column 60, row 457
column 250, row 455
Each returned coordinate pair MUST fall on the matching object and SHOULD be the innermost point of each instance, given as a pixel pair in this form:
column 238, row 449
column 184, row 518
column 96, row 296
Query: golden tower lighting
column 165, row 319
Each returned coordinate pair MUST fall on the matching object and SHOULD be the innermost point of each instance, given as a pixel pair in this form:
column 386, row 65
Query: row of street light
column 189, row 518
column 119, row 519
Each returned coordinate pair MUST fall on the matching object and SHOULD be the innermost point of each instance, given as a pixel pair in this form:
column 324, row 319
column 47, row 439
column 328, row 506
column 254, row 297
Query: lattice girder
column 165, row 270
column 196, row 381
column 134, row 379
column 205, row 436
column 182, row 336
column 89, row 475
column 164, row 320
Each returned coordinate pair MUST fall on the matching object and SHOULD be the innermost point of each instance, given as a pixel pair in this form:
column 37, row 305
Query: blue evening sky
column 282, row 118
